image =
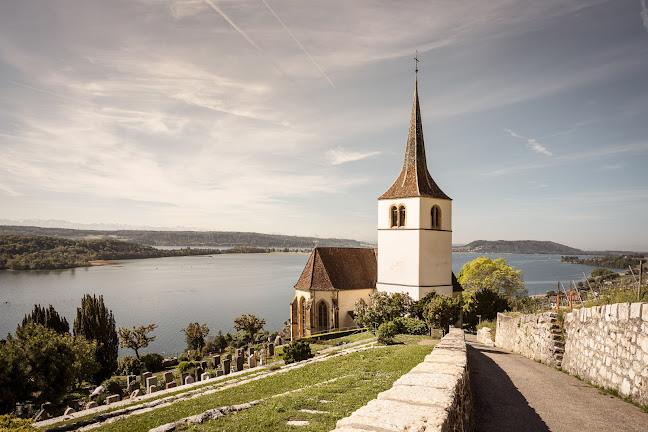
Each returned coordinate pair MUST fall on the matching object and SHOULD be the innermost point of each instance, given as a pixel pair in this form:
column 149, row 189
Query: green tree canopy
column 384, row 307
column 195, row 335
column 442, row 311
column 95, row 322
column 494, row 275
column 486, row 303
column 42, row 365
column 249, row 324
column 48, row 318
column 136, row 338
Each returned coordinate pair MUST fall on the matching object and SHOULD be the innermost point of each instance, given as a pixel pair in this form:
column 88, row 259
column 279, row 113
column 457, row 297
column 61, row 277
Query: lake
column 172, row 292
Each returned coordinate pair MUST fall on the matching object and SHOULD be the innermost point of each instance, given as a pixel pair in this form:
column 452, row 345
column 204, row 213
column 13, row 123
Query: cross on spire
column 416, row 64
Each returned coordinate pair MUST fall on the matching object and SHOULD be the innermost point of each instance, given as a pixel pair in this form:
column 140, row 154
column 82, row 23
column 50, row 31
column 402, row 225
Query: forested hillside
column 19, row 252
column 612, row 261
column 518, row 246
column 185, row 238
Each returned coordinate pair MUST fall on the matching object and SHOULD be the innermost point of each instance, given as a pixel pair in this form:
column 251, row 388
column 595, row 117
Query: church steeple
column 414, row 179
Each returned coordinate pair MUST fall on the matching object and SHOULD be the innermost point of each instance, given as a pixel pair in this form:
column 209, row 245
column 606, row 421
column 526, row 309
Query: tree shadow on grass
column 498, row 404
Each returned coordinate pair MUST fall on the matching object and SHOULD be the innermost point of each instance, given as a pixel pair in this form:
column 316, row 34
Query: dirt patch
column 429, row 341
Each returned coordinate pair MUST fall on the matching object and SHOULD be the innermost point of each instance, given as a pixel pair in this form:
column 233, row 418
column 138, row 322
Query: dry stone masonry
column 536, row 336
column 433, row 396
column 608, row 346
column 604, row 345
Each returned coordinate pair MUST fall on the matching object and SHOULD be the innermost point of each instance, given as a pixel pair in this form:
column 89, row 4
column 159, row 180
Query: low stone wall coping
column 433, row 396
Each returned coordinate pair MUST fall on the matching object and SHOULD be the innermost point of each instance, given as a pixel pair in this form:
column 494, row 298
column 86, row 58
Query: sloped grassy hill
column 519, row 246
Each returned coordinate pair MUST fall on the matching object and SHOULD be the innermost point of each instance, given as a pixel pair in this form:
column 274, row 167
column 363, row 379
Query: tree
column 485, row 303
column 297, row 351
column 604, row 274
column 95, row 322
column 41, row 364
column 136, row 338
column 249, row 324
column 442, row 311
column 384, row 307
column 485, row 274
column 195, row 335
column 48, row 318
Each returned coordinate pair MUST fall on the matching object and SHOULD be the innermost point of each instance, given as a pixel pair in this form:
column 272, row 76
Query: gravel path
column 513, row 393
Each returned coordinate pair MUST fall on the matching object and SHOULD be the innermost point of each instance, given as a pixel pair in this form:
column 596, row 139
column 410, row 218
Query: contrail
column 45, row 91
column 295, row 39
column 242, row 33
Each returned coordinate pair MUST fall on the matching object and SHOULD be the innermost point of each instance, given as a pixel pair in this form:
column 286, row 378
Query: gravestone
column 226, row 366
column 203, row 365
column 199, row 371
column 112, row 399
column 189, row 380
column 153, row 389
column 216, row 360
column 205, row 376
column 238, row 361
column 134, row 385
column 183, row 377
column 146, row 375
column 69, row 411
column 219, row 372
column 239, row 352
column 171, row 385
column 150, row 381
column 91, row 404
column 252, row 361
column 228, row 357
column 136, row 393
column 168, row 377
column 271, row 349
column 278, row 341
column 250, row 352
column 130, row 379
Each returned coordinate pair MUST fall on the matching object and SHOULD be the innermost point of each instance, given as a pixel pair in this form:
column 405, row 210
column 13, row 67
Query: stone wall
column 433, row 396
column 608, row 346
column 536, row 336
column 484, row 336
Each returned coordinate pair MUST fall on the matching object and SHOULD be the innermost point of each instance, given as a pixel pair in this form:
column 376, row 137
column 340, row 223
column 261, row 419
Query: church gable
column 332, row 269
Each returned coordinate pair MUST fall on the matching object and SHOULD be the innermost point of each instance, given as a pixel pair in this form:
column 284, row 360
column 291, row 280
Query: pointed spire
column 414, row 179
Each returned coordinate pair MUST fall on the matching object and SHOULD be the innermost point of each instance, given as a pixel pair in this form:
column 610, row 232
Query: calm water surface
column 172, row 292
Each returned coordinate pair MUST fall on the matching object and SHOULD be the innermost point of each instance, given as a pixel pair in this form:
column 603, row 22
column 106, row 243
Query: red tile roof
column 414, row 179
column 331, row 268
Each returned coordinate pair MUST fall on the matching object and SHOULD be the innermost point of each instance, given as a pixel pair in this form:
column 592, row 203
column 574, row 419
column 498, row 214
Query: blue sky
column 291, row 116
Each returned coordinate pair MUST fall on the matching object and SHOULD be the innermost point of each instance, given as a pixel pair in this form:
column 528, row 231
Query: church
column 414, row 253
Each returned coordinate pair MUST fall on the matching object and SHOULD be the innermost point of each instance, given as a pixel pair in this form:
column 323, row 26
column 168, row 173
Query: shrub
column 386, row 332
column 153, row 362
column 442, row 311
column 187, row 365
column 297, row 351
column 9, row 423
column 412, row 326
column 128, row 365
column 183, row 357
column 114, row 385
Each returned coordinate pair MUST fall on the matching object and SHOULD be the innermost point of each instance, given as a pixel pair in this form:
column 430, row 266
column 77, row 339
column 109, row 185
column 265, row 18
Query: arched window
column 401, row 216
column 322, row 319
column 436, row 217
column 393, row 211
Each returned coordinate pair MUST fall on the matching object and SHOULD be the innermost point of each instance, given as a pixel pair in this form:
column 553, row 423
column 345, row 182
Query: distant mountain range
column 527, row 247
column 186, row 238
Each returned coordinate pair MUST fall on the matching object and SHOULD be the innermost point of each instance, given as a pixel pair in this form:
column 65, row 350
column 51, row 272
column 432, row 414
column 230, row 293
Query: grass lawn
column 360, row 377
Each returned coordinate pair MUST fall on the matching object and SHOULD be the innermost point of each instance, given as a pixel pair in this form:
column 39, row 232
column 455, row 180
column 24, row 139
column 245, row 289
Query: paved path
column 513, row 393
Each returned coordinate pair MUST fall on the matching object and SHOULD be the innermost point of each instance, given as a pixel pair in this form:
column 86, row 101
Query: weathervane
column 416, row 64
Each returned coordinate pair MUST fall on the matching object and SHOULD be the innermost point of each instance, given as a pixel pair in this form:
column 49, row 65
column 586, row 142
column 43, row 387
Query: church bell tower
column 415, row 225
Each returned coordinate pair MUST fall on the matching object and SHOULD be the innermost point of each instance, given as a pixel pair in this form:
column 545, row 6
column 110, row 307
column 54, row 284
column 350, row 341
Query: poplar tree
column 95, row 322
column 47, row 318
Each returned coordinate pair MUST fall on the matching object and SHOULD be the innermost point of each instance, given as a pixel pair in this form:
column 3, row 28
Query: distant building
column 414, row 252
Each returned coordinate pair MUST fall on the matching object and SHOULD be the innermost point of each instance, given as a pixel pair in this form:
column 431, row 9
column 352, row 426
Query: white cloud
column 533, row 143
column 612, row 167
column 644, row 14
column 339, row 155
